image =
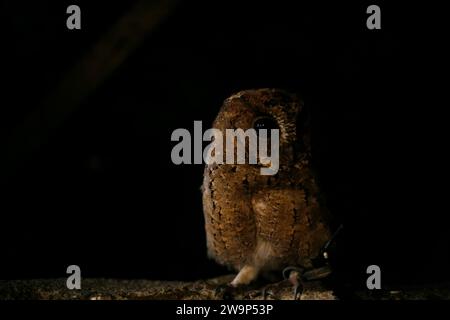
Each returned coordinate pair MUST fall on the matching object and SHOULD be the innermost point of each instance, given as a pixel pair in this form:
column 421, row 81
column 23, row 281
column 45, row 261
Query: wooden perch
column 112, row 289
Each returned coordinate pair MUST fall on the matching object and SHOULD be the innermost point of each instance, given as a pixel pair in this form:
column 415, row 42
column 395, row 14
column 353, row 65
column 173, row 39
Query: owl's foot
column 295, row 276
column 292, row 279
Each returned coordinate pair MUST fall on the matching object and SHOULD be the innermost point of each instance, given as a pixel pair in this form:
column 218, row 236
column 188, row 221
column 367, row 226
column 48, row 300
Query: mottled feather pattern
column 256, row 223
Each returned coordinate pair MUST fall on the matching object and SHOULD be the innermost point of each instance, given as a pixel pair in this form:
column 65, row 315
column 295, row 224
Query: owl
column 257, row 223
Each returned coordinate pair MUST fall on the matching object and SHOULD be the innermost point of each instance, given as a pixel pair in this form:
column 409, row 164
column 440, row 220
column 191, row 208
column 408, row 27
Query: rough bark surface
column 114, row 289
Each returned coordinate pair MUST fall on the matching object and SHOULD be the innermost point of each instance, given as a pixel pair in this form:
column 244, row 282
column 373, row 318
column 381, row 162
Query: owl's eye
column 265, row 123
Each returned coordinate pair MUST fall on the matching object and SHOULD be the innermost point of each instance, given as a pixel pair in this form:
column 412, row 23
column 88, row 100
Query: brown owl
column 260, row 223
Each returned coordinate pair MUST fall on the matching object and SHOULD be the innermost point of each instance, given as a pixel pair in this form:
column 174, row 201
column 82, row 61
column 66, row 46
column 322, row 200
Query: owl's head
column 268, row 109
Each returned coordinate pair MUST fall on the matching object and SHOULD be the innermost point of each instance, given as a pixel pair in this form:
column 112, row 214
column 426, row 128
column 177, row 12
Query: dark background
column 101, row 191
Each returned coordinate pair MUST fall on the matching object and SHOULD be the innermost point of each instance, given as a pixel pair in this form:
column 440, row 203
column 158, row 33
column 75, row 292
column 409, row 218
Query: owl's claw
column 298, row 290
column 292, row 279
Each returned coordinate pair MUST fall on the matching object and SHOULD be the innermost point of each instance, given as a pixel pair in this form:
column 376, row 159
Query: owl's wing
column 279, row 219
column 229, row 219
column 291, row 223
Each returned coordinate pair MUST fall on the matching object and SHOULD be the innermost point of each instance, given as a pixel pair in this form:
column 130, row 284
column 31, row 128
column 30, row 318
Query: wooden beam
column 81, row 81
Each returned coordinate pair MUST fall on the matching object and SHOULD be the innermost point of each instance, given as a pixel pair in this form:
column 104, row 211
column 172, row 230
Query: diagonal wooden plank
column 89, row 73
